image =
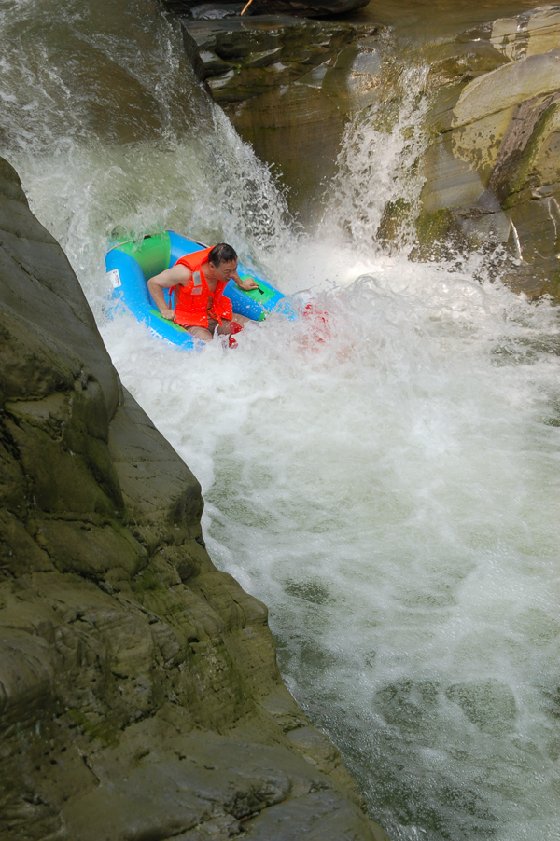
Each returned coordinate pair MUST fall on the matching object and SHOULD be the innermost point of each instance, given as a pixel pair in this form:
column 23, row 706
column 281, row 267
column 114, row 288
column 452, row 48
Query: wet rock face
column 139, row 695
column 493, row 171
column 491, row 166
column 288, row 85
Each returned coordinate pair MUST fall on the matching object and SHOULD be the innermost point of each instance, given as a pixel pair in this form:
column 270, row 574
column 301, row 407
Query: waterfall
column 391, row 493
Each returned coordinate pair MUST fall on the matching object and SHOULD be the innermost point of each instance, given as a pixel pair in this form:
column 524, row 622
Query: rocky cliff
column 492, row 167
column 139, row 694
column 288, row 84
column 491, row 161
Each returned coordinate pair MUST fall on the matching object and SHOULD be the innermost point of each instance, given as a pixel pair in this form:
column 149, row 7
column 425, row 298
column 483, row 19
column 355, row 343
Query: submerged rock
column 139, row 693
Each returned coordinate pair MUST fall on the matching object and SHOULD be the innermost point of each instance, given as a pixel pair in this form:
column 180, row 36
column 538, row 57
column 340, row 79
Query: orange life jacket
column 193, row 300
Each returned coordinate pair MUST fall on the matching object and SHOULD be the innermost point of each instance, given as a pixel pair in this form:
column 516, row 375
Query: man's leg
column 224, row 329
column 200, row 333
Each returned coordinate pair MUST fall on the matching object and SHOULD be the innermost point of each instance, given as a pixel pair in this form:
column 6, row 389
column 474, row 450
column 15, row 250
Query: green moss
column 147, row 581
column 436, row 233
column 395, row 216
column 103, row 731
column 433, row 226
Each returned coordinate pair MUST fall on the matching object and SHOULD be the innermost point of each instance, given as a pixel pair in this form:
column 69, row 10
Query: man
column 199, row 280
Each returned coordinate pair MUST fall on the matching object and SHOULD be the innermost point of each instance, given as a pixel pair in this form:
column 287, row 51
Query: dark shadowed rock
column 300, row 8
column 139, row 693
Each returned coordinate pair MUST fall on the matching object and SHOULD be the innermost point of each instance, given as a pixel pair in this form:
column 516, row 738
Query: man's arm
column 165, row 280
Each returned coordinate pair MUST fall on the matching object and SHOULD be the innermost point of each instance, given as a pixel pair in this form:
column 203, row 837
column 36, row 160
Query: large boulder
column 139, row 693
column 493, row 168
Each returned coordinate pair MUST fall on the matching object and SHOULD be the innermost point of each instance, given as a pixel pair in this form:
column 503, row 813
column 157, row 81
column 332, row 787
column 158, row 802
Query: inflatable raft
column 129, row 266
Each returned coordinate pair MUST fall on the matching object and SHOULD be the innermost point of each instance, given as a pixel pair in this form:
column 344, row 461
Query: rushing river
column 391, row 493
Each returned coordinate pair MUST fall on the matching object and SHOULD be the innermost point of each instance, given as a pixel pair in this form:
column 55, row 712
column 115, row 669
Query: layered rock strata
column 139, row 694
column 288, row 85
column 491, row 165
column 492, row 168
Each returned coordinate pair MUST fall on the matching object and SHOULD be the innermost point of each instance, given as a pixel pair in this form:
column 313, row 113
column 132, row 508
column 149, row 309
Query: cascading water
column 392, row 492
column 378, row 161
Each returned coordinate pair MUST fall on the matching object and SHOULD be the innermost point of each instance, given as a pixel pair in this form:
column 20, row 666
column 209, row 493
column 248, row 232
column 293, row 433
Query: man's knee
column 200, row 333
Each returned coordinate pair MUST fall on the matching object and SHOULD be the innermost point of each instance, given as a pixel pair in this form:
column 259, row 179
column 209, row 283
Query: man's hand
column 247, row 284
column 168, row 314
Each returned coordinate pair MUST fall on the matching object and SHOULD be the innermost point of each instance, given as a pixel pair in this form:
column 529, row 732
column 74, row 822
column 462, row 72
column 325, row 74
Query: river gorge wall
column 139, row 692
column 489, row 159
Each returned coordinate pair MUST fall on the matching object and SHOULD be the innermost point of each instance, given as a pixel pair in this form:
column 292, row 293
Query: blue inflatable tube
column 129, row 265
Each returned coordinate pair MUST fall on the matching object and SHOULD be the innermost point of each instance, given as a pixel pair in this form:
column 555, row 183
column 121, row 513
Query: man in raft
column 198, row 281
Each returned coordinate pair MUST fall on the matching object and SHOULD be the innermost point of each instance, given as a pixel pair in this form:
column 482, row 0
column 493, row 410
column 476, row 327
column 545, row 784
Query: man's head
column 223, row 259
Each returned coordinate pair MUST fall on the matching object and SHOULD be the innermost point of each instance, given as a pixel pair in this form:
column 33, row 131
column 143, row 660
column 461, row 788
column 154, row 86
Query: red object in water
column 235, row 327
column 319, row 322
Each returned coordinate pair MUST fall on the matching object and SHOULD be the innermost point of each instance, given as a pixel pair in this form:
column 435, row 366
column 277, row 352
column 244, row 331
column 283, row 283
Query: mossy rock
column 438, row 234
column 396, row 216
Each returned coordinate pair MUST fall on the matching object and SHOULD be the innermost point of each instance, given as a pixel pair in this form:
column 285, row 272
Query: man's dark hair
column 221, row 253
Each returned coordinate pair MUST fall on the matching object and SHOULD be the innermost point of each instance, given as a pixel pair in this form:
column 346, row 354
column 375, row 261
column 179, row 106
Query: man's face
column 226, row 269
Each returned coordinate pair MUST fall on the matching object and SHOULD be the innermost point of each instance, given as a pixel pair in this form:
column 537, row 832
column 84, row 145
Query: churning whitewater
column 392, row 492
